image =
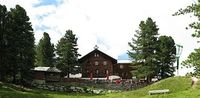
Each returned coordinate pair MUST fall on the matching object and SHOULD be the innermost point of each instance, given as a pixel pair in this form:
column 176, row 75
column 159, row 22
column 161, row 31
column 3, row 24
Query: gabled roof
column 97, row 51
column 47, row 69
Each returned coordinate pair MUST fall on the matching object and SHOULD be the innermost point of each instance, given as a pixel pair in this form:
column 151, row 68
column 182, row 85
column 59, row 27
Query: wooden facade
column 97, row 64
column 123, row 70
column 46, row 74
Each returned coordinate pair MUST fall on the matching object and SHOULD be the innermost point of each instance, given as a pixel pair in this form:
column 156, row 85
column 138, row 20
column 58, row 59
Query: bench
column 159, row 91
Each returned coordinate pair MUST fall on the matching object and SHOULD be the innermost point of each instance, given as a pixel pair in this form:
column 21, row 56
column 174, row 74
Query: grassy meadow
column 180, row 87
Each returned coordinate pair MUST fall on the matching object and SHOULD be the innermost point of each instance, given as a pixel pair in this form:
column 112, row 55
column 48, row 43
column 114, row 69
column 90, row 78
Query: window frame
column 105, row 63
column 96, row 63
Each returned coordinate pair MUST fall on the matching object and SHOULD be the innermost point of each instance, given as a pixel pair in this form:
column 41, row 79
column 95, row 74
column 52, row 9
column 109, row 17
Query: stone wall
column 76, row 80
column 88, row 86
column 75, row 89
column 37, row 81
column 69, row 89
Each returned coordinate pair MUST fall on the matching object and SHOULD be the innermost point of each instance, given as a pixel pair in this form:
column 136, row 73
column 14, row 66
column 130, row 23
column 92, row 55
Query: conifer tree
column 143, row 49
column 45, row 52
column 17, row 44
column 21, row 44
column 3, row 41
column 67, row 52
column 166, row 56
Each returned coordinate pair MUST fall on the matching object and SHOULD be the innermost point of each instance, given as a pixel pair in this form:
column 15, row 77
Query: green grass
column 176, row 85
column 10, row 91
column 180, row 87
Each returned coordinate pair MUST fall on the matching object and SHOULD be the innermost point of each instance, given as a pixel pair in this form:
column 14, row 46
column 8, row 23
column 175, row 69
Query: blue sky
column 123, row 56
column 110, row 24
column 47, row 2
column 40, row 3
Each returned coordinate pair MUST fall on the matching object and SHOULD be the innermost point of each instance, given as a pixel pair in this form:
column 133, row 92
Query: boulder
column 194, row 82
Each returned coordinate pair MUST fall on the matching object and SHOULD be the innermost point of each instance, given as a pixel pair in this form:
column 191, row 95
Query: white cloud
column 113, row 21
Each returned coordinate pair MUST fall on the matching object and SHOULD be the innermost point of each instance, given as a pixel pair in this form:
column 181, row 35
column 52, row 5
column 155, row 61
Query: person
column 118, row 81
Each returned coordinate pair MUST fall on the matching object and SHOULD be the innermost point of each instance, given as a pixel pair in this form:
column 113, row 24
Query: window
column 96, row 63
column 104, row 62
column 97, row 71
column 96, row 55
column 121, row 66
column 89, row 63
column 106, row 71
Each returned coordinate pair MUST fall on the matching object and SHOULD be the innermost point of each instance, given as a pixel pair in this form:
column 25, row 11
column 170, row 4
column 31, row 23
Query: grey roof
column 41, row 68
column 48, row 69
column 53, row 69
column 124, row 61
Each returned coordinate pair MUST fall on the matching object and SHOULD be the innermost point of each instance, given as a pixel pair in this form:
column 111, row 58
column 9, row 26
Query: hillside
column 180, row 87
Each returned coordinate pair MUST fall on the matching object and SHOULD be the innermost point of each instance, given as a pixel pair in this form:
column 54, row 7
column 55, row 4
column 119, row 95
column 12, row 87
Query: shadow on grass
column 9, row 91
column 66, row 94
column 14, row 91
column 11, row 94
column 37, row 93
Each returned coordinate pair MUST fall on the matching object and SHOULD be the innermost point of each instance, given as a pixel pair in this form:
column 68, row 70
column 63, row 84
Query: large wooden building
column 97, row 64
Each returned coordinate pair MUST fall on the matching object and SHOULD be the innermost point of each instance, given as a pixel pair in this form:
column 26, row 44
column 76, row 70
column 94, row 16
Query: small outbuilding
column 46, row 74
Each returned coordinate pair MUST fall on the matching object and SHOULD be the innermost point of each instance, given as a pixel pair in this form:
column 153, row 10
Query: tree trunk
column 1, row 75
column 67, row 75
column 14, row 79
column 148, row 79
column 161, row 71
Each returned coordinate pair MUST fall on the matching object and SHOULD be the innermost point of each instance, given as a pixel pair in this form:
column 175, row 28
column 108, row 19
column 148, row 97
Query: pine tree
column 45, row 52
column 21, row 44
column 3, row 41
column 67, row 52
column 17, row 44
column 166, row 56
column 143, row 48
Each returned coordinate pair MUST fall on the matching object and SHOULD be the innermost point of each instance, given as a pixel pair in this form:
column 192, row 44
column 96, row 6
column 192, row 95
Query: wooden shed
column 46, row 74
